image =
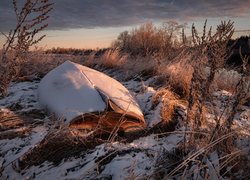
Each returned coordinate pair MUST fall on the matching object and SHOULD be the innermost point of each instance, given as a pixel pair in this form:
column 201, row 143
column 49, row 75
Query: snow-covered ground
column 112, row 160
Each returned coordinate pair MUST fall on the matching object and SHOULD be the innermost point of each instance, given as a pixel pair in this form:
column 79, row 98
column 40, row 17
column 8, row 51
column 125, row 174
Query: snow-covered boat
column 88, row 99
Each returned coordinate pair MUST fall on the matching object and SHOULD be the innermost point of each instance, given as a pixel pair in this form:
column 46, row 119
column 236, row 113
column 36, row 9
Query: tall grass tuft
column 113, row 58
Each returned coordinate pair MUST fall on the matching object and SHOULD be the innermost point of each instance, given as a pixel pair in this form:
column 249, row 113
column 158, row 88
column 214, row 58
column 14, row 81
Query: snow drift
column 86, row 98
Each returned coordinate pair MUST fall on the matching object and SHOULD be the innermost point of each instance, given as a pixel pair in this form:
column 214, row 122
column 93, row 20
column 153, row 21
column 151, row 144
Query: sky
column 96, row 23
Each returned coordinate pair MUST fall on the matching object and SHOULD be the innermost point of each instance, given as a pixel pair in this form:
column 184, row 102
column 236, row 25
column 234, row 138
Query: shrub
column 149, row 39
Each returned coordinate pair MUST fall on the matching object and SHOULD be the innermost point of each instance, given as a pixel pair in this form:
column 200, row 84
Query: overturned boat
column 87, row 99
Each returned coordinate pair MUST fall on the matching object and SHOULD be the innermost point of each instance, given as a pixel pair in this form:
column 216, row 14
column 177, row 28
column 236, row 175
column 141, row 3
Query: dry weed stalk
column 213, row 52
column 31, row 20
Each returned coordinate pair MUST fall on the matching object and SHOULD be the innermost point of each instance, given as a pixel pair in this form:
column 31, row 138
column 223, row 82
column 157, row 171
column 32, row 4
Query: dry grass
column 170, row 102
column 144, row 67
column 178, row 74
column 113, row 58
column 38, row 64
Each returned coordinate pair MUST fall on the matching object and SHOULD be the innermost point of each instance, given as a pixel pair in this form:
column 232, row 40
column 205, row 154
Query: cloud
column 115, row 13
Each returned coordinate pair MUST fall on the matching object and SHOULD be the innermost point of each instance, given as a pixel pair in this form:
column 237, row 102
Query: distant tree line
column 75, row 51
